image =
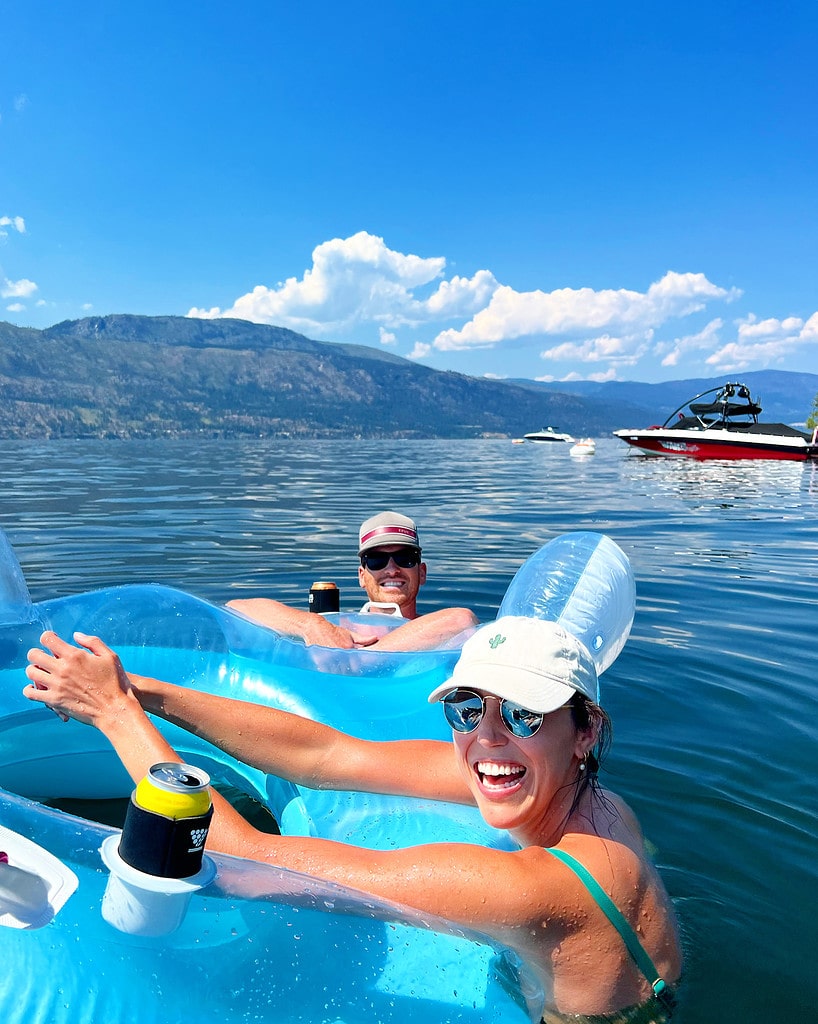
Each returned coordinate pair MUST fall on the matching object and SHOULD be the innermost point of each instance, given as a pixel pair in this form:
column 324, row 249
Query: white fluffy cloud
column 601, row 377
column 703, row 340
column 420, row 351
column 512, row 314
column 22, row 289
column 386, row 337
column 360, row 280
column 764, row 342
column 462, row 296
column 17, row 223
column 358, row 283
column 624, row 350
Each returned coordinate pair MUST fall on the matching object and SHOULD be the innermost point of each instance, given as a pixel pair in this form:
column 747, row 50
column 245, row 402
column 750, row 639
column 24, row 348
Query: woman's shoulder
column 606, row 838
column 603, row 838
column 621, row 821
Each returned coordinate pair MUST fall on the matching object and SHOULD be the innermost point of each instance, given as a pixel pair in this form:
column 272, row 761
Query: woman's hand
column 87, row 682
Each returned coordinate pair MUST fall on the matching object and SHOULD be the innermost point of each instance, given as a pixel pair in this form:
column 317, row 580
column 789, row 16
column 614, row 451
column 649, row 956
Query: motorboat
column 548, row 434
column 722, row 423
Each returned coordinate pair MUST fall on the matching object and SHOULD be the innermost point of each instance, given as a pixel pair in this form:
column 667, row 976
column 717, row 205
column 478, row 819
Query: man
column 391, row 572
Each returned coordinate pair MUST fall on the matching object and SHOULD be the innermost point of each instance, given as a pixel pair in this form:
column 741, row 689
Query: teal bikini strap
column 617, row 919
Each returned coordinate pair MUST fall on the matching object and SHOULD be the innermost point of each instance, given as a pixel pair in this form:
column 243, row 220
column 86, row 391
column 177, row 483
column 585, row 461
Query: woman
column 527, row 731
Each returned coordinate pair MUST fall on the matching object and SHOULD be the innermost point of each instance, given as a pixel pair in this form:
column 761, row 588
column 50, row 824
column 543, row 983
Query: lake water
column 713, row 698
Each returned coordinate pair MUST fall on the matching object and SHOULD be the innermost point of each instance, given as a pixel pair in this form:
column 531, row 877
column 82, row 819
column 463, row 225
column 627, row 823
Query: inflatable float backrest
column 15, row 600
column 582, row 581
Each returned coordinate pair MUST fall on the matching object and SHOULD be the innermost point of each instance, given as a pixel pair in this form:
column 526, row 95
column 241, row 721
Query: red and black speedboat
column 722, row 423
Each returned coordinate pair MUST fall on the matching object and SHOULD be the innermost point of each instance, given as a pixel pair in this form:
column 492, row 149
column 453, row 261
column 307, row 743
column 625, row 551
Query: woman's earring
column 583, row 764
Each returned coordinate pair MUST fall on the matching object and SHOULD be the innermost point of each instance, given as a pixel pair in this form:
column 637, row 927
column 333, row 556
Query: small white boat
column 587, row 446
column 548, row 434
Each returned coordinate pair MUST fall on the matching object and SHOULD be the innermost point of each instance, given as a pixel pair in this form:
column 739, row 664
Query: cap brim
column 385, row 542
column 533, row 692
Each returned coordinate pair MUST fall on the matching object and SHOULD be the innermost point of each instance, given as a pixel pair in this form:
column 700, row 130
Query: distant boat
column 548, row 434
column 722, row 427
column 587, row 446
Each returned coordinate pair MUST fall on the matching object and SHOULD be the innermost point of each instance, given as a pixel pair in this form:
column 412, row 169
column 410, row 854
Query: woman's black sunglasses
column 464, row 710
column 404, row 558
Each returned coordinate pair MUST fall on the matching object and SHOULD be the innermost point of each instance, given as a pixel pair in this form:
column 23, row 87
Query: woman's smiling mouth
column 495, row 775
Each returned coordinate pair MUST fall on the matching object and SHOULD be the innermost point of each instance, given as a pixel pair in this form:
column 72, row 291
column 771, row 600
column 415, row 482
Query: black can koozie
column 167, row 821
column 324, row 597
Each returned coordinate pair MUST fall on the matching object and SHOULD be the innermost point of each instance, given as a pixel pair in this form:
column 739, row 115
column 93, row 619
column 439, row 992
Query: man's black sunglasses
column 404, row 558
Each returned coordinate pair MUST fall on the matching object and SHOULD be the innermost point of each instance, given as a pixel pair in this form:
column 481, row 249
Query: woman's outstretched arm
column 88, row 683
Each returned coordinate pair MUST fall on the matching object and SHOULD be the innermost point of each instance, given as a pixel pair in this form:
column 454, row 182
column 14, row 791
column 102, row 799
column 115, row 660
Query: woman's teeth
column 500, row 774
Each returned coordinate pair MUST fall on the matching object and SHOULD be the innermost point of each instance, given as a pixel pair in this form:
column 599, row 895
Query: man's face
column 393, row 583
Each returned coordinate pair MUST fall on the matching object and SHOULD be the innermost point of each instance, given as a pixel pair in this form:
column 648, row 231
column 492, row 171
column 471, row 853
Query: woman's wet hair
column 588, row 715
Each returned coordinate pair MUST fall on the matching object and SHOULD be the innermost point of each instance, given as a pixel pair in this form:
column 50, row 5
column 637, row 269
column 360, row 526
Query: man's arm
column 423, row 633
column 310, row 627
column 306, row 752
column 429, row 631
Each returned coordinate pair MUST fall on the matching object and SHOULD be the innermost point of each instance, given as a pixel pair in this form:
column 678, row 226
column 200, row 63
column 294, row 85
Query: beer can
column 167, row 821
column 324, row 597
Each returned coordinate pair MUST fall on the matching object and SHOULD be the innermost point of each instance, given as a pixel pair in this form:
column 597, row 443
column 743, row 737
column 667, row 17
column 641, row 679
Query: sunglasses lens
column 404, row 558
column 520, row 721
column 463, row 710
column 375, row 562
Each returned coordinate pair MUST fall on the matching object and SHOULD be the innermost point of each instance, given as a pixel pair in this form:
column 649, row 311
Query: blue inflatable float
column 257, row 944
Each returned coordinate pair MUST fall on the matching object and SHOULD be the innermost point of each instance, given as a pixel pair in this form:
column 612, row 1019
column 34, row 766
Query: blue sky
column 558, row 191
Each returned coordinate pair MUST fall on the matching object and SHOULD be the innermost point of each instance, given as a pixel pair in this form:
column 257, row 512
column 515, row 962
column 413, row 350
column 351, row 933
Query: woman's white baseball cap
column 533, row 662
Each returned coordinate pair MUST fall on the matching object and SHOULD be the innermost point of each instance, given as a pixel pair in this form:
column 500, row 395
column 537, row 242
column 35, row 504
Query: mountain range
column 140, row 376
